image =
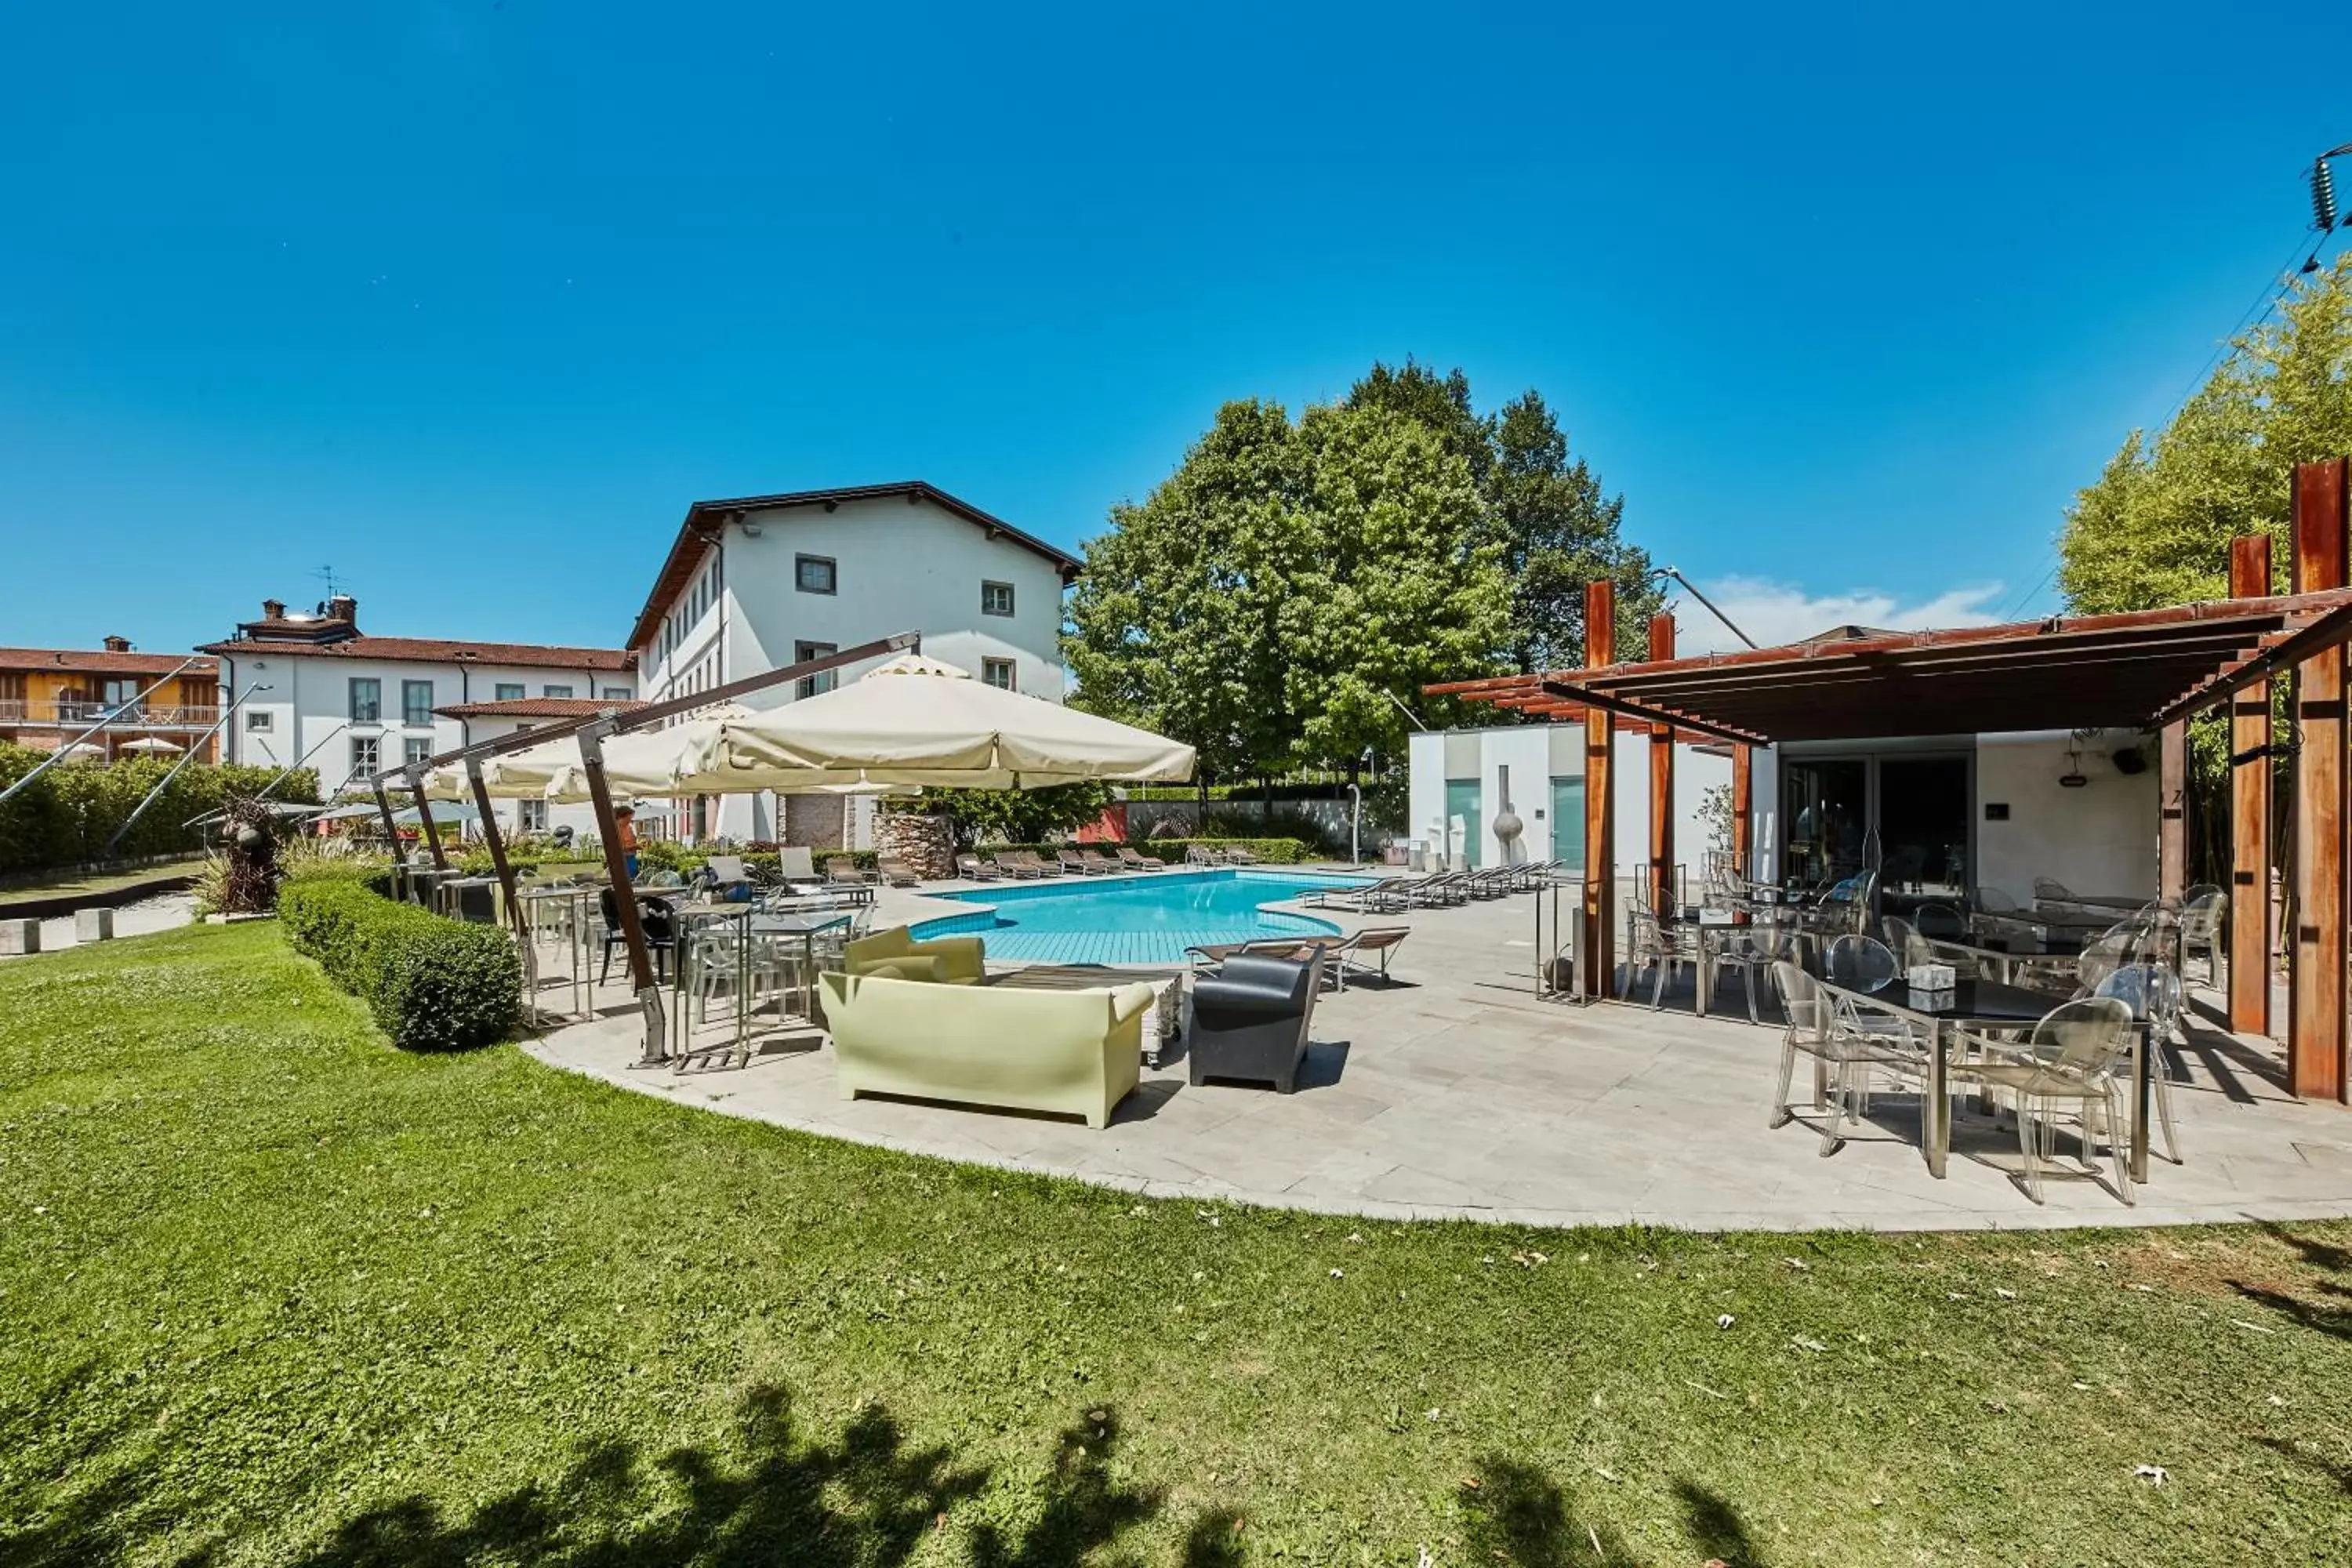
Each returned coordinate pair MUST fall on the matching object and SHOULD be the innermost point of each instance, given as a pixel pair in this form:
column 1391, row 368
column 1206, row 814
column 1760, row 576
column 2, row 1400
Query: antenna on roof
column 327, row 575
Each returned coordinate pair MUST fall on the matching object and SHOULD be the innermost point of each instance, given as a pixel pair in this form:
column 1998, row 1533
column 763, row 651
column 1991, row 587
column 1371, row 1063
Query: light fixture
column 2073, row 778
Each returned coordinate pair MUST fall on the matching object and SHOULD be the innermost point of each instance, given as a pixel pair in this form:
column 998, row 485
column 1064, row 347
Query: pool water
column 1146, row 918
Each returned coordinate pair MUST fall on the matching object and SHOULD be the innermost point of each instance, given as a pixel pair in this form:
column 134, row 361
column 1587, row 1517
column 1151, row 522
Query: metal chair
column 2156, row 997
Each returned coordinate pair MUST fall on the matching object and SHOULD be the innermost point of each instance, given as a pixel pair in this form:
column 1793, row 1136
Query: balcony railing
column 114, row 716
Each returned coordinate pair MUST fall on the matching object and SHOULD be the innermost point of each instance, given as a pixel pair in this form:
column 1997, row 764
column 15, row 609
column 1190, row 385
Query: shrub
column 432, row 985
column 68, row 815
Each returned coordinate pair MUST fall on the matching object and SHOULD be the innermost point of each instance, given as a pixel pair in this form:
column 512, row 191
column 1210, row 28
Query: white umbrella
column 78, row 751
column 153, row 744
column 641, row 763
column 918, row 722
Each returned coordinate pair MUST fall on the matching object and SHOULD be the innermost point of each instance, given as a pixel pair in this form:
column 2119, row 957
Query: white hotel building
column 761, row 582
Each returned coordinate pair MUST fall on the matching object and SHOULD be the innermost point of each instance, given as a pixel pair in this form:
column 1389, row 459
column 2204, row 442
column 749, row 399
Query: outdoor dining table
column 2049, row 930
column 561, row 913
column 695, row 922
column 1986, row 1004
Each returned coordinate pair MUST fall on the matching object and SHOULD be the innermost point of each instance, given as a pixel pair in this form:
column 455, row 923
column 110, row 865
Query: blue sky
column 470, row 301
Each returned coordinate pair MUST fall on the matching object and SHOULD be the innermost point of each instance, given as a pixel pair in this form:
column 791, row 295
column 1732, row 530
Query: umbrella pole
column 497, row 847
column 391, row 836
column 625, row 902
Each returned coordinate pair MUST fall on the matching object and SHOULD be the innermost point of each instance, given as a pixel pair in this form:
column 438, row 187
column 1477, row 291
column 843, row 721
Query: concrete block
column 20, row 936
column 93, row 925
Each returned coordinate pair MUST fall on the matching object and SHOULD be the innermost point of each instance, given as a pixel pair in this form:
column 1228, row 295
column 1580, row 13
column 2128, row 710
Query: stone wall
column 814, row 820
column 926, row 844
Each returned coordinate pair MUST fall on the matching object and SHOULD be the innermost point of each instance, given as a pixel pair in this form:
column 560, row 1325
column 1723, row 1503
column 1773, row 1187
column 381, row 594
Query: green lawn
column 273, row 1293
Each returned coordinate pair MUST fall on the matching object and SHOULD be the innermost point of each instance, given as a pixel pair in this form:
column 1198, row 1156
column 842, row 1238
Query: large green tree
column 2156, row 528
column 1268, row 600
column 1556, row 527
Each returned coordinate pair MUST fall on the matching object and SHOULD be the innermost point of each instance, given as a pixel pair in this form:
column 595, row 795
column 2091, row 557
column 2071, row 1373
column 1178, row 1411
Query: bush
column 70, row 811
column 432, row 985
column 1273, row 851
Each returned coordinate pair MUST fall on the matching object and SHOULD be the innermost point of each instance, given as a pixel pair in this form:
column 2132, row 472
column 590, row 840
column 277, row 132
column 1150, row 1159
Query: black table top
column 1984, row 1001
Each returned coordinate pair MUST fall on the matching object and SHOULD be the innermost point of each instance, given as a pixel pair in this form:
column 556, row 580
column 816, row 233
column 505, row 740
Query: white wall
column 2098, row 839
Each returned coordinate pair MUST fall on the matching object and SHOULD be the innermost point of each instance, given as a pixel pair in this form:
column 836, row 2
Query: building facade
column 131, row 703
column 761, row 582
column 315, row 690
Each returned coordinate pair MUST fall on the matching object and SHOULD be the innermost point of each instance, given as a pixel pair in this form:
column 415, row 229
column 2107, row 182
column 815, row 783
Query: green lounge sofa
column 895, row 954
column 1076, row 1052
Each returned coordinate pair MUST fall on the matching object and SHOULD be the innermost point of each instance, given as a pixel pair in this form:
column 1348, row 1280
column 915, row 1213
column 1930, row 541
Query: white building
column 319, row 691
column 761, row 582
column 1938, row 813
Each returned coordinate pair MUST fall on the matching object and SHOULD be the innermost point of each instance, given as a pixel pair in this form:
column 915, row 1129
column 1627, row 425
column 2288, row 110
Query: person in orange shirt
column 625, row 819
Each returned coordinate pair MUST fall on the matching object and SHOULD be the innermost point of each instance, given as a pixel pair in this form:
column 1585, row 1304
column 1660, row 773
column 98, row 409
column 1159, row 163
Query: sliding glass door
column 1903, row 814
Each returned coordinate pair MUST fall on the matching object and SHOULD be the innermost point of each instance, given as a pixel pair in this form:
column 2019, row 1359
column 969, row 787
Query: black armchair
column 1250, row 1019
column 653, row 917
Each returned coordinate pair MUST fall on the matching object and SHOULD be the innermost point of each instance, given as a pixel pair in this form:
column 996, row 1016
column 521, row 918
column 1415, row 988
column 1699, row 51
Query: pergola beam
column 1591, row 699
column 1600, row 977
column 2315, row 995
column 2250, row 817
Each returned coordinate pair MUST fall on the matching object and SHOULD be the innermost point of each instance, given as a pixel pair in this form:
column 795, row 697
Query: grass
column 275, row 1293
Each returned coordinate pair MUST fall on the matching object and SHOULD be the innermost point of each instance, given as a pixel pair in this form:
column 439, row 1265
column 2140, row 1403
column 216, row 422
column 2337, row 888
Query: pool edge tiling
column 1159, row 943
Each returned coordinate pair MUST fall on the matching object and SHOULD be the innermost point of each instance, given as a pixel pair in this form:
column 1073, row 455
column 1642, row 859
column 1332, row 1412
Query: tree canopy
column 2156, row 528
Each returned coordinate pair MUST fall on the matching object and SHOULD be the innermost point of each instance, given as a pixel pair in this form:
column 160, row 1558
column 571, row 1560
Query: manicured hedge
column 66, row 816
column 433, row 984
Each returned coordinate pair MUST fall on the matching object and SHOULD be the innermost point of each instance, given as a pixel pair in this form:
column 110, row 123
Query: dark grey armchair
column 1250, row 1017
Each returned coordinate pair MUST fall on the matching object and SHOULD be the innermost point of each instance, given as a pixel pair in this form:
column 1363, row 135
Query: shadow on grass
column 1519, row 1516
column 864, row 1499
column 2323, row 1257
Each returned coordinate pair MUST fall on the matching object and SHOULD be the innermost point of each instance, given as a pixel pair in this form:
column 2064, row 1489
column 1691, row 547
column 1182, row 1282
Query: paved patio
column 1455, row 1093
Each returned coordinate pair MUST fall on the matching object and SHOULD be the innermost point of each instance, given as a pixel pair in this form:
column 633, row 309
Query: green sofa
column 1076, row 1052
column 895, row 954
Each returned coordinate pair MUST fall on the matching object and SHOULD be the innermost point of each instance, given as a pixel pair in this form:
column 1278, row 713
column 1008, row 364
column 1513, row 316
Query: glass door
column 1903, row 814
column 1825, row 804
column 1463, row 800
column 1568, row 821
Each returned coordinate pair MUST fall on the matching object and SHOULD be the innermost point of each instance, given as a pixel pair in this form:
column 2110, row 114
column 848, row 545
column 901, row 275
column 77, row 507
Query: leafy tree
column 1015, row 816
column 1268, row 600
column 1556, row 527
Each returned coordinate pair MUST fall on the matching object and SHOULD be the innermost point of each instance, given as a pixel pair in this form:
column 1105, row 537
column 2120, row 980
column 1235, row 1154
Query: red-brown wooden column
column 2172, row 812
column 2315, row 1022
column 1743, row 809
column 1662, row 784
column 1600, row 977
column 2250, row 817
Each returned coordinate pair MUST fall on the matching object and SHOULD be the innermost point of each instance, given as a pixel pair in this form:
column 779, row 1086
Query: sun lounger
column 897, row 872
column 976, row 869
column 1442, row 890
column 1374, row 942
column 1240, row 858
column 1015, row 863
column 1136, row 860
column 843, row 871
column 1364, row 898
column 1194, row 855
column 797, row 868
column 1099, row 863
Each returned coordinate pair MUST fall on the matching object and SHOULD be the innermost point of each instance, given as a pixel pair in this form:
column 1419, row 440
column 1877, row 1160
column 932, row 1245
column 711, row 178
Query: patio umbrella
column 914, row 720
column 643, row 762
column 154, row 744
column 79, row 751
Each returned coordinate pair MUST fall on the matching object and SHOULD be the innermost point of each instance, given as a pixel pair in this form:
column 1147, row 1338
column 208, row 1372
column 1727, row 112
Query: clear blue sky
column 471, row 300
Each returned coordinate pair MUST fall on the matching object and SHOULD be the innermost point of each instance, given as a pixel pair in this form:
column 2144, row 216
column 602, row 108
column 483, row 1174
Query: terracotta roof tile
column 431, row 650
column 99, row 662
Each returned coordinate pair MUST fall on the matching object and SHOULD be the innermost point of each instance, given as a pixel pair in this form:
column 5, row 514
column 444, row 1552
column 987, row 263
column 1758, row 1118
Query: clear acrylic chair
column 2072, row 1057
column 1808, row 1033
column 1650, row 946
column 1993, row 901
column 2101, row 957
column 1750, row 950
column 1871, row 1038
column 2202, row 913
column 2156, row 997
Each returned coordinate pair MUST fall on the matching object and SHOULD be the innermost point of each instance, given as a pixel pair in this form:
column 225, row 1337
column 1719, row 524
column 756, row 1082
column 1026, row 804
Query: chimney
column 273, row 609
column 345, row 608
column 117, row 644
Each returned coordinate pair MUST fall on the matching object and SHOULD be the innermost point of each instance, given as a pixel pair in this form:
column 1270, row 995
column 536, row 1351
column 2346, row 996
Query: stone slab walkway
column 1455, row 1093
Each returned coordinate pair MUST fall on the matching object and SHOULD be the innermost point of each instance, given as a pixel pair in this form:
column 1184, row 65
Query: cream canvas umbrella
column 154, row 744
column 914, row 720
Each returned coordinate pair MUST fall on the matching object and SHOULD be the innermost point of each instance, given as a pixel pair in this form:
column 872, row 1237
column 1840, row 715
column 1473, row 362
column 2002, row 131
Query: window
column 257, row 718
column 555, row 691
column 122, row 697
column 415, row 748
column 997, row 672
column 531, row 815
column 996, row 598
column 367, row 701
column 812, row 573
column 617, row 694
column 824, row 679
column 366, row 758
column 510, row 691
column 416, row 702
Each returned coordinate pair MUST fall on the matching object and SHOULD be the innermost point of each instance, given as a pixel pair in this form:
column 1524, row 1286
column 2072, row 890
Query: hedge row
column 433, row 984
column 66, row 816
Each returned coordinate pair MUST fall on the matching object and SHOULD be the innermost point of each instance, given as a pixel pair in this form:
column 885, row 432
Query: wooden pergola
column 2150, row 669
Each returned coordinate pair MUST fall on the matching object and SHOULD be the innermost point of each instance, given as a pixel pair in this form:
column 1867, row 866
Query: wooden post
column 424, row 821
column 624, row 898
column 2316, row 983
column 1662, row 784
column 1600, row 977
column 498, row 844
column 1743, row 811
column 2249, row 816
column 391, row 839
column 2172, row 812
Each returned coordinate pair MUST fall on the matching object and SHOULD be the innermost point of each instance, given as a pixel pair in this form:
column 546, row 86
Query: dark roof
column 96, row 661
column 2119, row 671
column 535, row 708
column 430, row 650
column 704, row 518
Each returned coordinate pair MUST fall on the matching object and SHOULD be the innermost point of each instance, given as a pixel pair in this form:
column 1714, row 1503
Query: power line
column 2027, row 597
column 2272, row 290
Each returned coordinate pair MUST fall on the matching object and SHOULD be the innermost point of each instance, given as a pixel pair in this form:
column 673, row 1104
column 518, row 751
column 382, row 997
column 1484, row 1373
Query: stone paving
column 1457, row 1092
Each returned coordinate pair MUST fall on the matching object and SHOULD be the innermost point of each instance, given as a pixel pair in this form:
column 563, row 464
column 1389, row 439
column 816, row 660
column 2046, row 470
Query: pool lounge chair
column 841, row 871
column 1027, row 863
column 1077, row 864
column 1194, row 855
column 976, row 869
column 1240, row 858
column 1442, row 890
column 798, row 869
column 896, row 871
column 1136, row 860
column 1374, row 942
column 1363, row 898
column 1099, row 862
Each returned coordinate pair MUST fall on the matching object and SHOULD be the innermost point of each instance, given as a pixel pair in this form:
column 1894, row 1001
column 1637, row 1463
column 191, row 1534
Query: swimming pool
column 1148, row 919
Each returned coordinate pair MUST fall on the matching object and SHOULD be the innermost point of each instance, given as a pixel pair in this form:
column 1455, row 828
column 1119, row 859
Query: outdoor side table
column 1162, row 1022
